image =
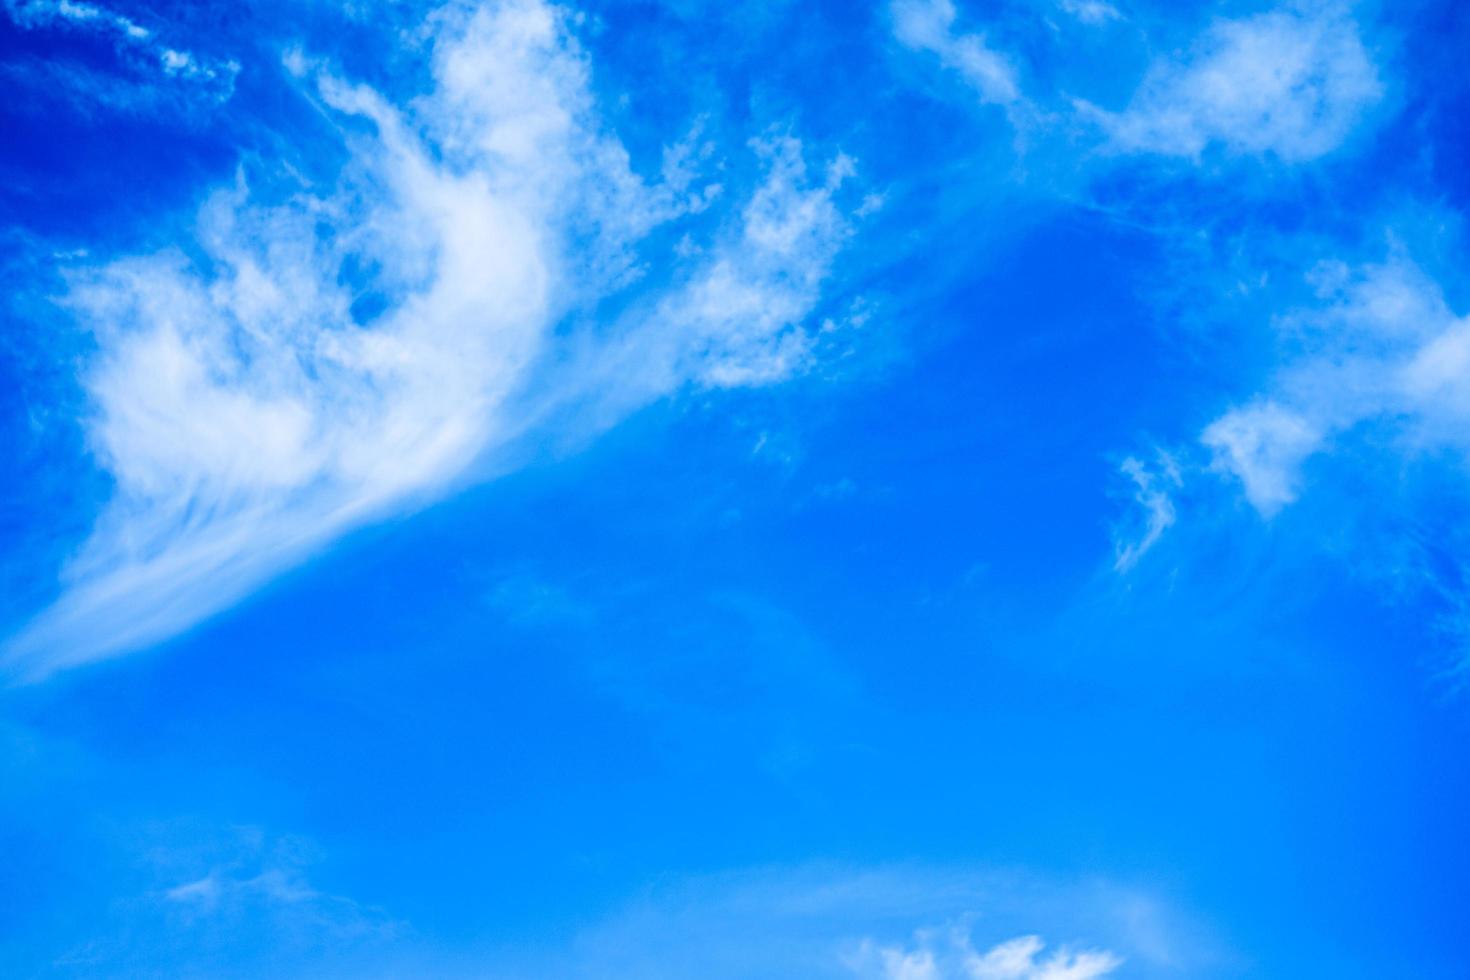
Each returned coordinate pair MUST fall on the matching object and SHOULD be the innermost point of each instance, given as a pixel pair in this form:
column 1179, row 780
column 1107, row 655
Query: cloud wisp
column 316, row 360
column 1151, row 488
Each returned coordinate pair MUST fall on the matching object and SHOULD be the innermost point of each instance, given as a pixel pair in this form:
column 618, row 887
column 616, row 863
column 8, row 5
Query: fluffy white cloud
column 1291, row 82
column 951, row 955
column 928, row 25
column 326, row 358
column 1383, row 348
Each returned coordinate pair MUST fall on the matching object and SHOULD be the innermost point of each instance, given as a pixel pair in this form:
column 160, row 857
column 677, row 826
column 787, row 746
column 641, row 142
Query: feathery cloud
column 1151, row 492
column 330, row 358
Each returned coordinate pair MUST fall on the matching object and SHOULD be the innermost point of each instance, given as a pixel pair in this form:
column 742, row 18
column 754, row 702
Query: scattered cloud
column 949, row 954
column 47, row 13
column 1292, row 83
column 1382, row 347
column 814, row 922
column 317, row 359
column 1091, row 11
column 254, row 899
column 928, row 26
column 817, row 922
column 145, row 62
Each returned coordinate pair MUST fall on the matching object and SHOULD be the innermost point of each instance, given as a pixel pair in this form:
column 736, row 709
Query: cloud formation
column 821, row 922
column 928, row 26
column 1383, row 347
column 1291, row 83
column 951, row 955
column 144, row 59
column 1091, row 11
column 1151, row 492
column 318, row 359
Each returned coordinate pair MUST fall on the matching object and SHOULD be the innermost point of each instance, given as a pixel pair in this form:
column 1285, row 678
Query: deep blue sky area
column 928, row 490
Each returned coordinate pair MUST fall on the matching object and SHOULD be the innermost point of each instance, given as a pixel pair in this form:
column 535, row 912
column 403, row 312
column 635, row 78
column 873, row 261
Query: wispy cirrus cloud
column 37, row 13
column 146, row 63
column 318, row 358
column 1151, row 491
column 236, row 888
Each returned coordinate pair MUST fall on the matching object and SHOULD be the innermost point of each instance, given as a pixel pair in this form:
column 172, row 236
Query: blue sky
column 927, row 490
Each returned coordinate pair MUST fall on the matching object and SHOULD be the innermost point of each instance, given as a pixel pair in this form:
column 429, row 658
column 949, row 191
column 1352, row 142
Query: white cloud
column 248, row 418
column 1291, row 82
column 928, row 25
column 949, row 954
column 1091, row 11
column 1263, row 445
column 139, row 47
column 1383, row 347
column 844, row 924
column 36, row 13
column 1150, row 491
